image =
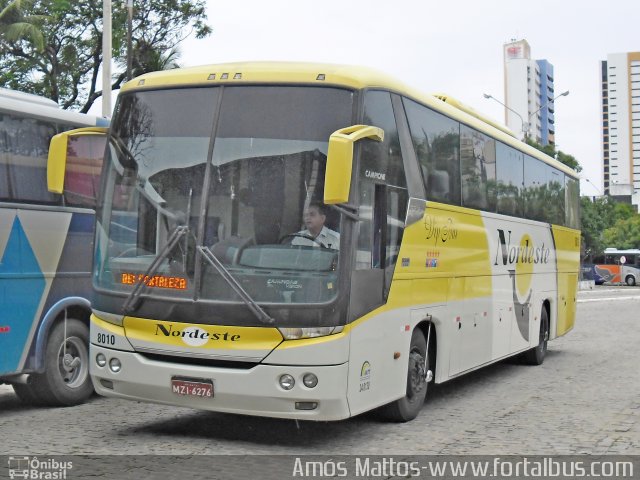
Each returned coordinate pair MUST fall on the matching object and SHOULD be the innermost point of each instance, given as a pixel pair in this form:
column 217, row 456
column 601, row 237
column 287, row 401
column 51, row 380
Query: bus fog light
column 115, row 365
column 287, row 382
column 306, row 405
column 310, row 380
column 106, row 383
column 101, row 360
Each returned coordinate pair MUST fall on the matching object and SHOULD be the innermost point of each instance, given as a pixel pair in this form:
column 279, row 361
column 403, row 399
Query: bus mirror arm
column 347, row 210
column 340, row 160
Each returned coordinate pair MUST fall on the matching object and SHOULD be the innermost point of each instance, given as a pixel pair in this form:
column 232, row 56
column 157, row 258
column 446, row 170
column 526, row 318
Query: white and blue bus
column 45, row 253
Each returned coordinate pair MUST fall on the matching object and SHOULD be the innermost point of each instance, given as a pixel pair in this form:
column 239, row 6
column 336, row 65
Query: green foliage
column 569, row 160
column 16, row 26
column 68, row 67
column 606, row 223
column 625, row 233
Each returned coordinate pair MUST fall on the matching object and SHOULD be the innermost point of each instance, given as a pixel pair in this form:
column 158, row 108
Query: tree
column 15, row 26
column 600, row 220
column 68, row 68
column 569, row 160
column 625, row 233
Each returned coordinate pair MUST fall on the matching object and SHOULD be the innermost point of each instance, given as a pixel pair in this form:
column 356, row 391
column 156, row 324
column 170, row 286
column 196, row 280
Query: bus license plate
column 192, row 388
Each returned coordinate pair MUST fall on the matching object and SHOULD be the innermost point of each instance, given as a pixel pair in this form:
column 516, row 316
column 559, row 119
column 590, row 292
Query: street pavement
column 584, row 399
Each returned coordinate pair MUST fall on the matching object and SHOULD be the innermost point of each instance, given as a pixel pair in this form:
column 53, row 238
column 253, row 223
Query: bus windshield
column 236, row 169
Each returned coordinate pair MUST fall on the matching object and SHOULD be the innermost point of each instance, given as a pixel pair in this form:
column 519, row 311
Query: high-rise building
column 529, row 93
column 620, row 74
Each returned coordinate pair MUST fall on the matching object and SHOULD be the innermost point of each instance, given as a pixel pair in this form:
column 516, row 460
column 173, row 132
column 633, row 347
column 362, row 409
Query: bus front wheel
column 66, row 379
column 408, row 407
column 631, row 280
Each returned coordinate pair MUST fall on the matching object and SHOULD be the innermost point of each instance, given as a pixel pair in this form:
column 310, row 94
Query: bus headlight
column 101, row 360
column 115, row 365
column 310, row 380
column 287, row 382
column 299, row 333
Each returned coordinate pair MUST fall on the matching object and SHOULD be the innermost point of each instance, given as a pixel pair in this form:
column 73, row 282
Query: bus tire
column 630, row 280
column 66, row 379
column 408, row 407
column 536, row 355
column 26, row 393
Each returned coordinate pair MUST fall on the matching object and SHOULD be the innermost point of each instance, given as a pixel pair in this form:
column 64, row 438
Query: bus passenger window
column 436, row 140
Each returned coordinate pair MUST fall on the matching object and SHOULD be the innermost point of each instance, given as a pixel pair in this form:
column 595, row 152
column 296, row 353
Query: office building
column 529, row 93
column 620, row 74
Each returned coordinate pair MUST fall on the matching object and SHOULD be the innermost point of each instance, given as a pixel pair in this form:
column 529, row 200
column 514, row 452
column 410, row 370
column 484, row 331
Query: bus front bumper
column 254, row 391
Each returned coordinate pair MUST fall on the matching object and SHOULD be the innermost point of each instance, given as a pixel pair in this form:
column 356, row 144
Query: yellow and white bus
column 458, row 244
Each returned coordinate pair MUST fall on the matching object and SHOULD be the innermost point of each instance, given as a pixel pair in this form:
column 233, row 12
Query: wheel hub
column 69, row 362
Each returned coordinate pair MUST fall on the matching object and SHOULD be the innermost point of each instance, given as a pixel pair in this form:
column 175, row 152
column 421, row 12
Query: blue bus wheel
column 66, row 379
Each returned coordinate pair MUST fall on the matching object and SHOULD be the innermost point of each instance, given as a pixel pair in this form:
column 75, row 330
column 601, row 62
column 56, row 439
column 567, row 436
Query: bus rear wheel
column 631, row 280
column 66, row 379
column 26, row 393
column 408, row 407
column 536, row 355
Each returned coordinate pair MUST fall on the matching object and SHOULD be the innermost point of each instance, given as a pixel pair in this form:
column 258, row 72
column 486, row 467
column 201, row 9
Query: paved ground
column 585, row 399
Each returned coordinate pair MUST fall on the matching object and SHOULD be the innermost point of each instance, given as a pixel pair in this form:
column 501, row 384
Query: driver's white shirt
column 327, row 238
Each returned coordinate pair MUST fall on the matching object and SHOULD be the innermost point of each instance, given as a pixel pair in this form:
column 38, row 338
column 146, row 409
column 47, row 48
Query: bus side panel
column 73, row 275
column 21, row 284
column 375, row 377
column 30, row 256
column 568, row 254
column 630, row 271
column 608, row 273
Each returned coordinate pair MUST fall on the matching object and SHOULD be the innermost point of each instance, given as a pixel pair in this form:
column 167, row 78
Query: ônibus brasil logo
column 27, row 467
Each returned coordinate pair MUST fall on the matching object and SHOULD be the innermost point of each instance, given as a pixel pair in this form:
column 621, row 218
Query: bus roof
column 335, row 75
column 6, row 94
column 627, row 251
column 35, row 106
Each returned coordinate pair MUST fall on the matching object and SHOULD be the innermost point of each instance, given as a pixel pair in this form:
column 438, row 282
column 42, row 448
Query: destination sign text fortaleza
column 155, row 281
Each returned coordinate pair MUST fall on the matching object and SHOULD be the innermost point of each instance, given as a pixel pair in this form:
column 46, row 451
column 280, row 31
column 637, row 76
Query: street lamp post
column 594, row 186
column 106, row 58
column 528, row 124
column 129, row 40
column 525, row 125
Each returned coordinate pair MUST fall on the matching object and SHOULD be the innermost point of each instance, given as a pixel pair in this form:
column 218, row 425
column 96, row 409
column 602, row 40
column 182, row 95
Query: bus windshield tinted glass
column 251, row 195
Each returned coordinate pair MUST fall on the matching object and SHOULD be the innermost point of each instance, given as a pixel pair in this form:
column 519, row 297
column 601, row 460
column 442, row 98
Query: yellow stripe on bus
column 200, row 335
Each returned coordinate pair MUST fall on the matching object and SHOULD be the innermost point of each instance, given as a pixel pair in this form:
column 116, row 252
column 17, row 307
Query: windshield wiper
column 132, row 302
column 256, row 309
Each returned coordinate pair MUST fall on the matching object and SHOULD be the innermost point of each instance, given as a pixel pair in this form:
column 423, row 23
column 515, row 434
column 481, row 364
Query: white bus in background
column 618, row 266
column 45, row 253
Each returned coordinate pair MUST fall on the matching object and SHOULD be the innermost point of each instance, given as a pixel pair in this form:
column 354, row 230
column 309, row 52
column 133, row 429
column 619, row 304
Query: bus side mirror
column 58, row 152
column 337, row 181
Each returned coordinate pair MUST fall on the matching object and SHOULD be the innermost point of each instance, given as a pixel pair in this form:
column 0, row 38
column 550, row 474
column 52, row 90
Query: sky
column 450, row 46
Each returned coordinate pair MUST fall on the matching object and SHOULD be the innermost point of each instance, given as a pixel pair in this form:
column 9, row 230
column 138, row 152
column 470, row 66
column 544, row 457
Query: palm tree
column 15, row 25
column 147, row 58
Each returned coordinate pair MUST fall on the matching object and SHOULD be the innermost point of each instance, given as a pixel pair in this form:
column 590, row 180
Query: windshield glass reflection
column 250, row 206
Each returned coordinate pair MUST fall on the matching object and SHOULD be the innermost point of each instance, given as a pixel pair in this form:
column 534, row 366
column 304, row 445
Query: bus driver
column 316, row 234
